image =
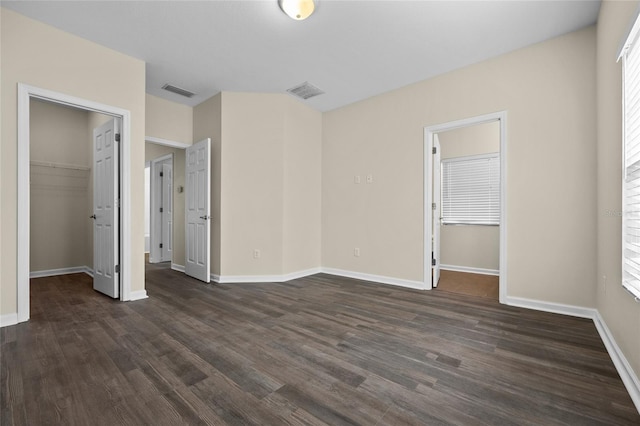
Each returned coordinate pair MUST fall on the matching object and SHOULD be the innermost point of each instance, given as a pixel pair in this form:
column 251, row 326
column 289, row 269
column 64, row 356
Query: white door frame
column 437, row 213
column 25, row 94
column 429, row 131
column 155, row 254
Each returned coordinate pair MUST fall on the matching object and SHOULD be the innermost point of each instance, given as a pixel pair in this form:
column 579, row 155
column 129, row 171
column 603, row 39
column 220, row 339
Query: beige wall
column 270, row 193
column 168, row 120
column 616, row 306
column 470, row 245
column 42, row 56
column 547, row 91
column 207, row 118
column 59, row 221
column 470, row 140
column 302, row 147
column 252, row 178
column 153, row 151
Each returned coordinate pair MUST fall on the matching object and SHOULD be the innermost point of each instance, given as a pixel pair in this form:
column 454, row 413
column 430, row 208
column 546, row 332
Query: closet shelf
column 59, row 165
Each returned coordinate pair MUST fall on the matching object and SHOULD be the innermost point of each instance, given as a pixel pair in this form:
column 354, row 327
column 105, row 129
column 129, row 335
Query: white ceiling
column 350, row 49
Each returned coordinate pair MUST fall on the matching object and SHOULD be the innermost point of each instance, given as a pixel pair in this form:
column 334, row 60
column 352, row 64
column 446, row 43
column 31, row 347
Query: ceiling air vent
column 305, row 90
column 177, row 90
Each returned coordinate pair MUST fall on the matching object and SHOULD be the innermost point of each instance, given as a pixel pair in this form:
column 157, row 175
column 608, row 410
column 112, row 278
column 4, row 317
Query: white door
column 437, row 181
column 198, row 210
column 161, row 236
column 106, row 253
column 167, row 211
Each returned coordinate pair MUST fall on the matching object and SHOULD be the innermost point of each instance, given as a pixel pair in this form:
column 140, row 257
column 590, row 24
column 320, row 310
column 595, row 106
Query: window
column 630, row 56
column 471, row 190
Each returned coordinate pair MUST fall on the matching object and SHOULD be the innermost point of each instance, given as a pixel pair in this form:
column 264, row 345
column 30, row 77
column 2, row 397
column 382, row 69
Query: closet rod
column 59, row 165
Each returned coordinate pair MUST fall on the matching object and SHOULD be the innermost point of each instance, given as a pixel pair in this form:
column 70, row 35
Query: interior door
column 437, row 181
column 167, row 211
column 106, row 192
column 198, row 210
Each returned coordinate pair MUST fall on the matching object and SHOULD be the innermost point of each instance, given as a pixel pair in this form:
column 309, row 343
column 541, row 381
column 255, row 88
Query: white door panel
column 105, row 209
column 198, row 210
column 167, row 210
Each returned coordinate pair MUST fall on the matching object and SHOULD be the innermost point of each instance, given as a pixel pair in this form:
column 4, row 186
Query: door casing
column 429, row 132
column 25, row 94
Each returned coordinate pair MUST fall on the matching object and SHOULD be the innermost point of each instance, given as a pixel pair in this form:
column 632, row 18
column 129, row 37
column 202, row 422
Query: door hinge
column 118, row 203
column 117, row 269
column 117, row 137
column 433, row 206
column 161, row 174
column 160, row 245
column 160, row 209
column 433, row 262
column 434, row 150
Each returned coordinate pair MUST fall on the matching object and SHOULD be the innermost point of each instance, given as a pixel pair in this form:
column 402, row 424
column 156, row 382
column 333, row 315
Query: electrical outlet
column 256, row 254
column 356, row 179
column 369, row 178
column 356, row 252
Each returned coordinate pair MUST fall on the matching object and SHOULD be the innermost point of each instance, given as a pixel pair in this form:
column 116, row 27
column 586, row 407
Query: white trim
column 61, row 271
column 628, row 376
column 166, row 142
column 176, row 267
column 137, row 295
column 400, row 282
column 470, row 269
column 25, row 93
column 555, row 308
column 429, row 131
column 8, row 319
column 223, row 279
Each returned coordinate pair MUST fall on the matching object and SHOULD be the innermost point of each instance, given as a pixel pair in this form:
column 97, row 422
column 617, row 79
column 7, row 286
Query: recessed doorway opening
column 26, row 94
column 465, row 206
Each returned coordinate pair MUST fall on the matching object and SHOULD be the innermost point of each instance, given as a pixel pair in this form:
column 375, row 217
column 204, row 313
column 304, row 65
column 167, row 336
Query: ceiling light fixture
column 297, row 9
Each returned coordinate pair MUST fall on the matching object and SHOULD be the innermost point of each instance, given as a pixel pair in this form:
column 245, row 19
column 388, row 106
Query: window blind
column 471, row 190
column 631, row 185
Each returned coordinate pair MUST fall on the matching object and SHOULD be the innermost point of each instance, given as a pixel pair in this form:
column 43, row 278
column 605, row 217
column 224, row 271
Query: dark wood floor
column 313, row 351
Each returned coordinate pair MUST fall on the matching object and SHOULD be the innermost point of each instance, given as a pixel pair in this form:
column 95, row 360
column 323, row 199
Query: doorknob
column 205, row 217
column 93, row 216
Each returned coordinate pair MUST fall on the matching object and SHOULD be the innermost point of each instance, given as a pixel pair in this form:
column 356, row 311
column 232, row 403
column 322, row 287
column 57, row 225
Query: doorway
column 191, row 202
column 465, row 214
column 166, row 227
column 26, row 94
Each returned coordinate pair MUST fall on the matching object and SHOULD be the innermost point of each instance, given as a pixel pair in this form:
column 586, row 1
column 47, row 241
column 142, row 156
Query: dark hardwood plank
column 320, row 350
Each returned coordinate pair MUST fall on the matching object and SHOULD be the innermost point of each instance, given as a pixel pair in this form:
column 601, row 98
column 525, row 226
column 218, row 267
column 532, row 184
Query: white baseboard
column 138, row 295
column 556, row 308
column 61, row 271
column 176, row 267
column 470, row 269
column 264, row 278
column 628, row 376
column 375, row 278
column 300, row 274
column 8, row 319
